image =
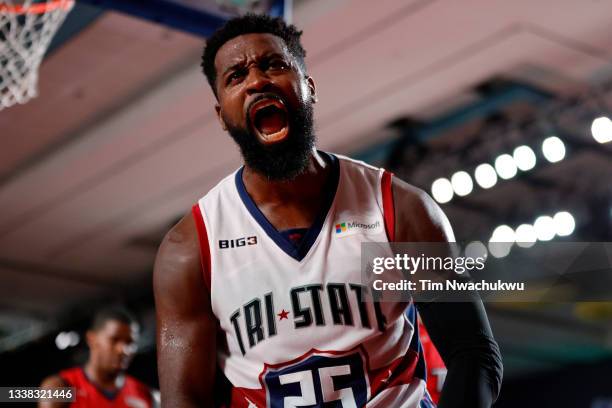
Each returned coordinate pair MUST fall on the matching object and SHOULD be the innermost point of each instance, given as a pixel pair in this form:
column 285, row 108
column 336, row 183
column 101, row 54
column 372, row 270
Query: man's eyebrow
column 240, row 64
column 274, row 55
column 234, row 67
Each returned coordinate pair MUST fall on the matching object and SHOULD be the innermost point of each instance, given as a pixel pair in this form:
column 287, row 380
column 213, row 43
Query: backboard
column 200, row 17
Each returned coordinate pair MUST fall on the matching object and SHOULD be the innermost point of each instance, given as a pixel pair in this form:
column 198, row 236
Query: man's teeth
column 273, row 134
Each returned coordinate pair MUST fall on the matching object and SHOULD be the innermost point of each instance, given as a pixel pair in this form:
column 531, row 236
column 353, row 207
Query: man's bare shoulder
column 182, row 233
column 53, row 381
column 178, row 257
column 181, row 242
column 408, row 194
column 417, row 216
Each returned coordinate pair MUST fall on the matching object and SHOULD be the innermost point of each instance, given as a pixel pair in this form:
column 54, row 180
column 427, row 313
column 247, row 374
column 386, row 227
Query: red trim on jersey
column 388, row 207
column 247, row 397
column 436, row 370
column 400, row 371
column 309, row 353
column 204, row 245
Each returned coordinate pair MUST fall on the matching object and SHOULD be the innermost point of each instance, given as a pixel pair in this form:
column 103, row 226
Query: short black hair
column 116, row 313
column 247, row 24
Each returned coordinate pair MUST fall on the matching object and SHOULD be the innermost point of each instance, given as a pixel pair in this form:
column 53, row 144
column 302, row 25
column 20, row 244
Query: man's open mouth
column 269, row 119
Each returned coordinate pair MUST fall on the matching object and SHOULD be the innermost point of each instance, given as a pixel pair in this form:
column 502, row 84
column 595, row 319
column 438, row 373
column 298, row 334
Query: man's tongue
column 271, row 121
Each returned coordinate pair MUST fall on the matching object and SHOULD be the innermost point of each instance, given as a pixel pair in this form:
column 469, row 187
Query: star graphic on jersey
column 283, row 315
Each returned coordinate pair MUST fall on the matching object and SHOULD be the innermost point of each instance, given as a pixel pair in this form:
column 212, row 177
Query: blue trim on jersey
column 411, row 313
column 415, row 343
column 426, row 402
column 284, row 243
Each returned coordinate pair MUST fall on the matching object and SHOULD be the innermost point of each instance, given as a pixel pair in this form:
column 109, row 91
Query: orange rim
column 38, row 8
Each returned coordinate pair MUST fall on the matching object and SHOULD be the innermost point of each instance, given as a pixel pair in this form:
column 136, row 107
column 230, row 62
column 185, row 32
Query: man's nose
column 123, row 348
column 257, row 81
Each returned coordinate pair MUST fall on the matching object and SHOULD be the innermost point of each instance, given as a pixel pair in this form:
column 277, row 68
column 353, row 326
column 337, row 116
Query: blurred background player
column 102, row 381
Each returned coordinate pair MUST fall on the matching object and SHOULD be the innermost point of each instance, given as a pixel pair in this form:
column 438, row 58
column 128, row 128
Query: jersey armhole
column 388, row 206
column 204, row 245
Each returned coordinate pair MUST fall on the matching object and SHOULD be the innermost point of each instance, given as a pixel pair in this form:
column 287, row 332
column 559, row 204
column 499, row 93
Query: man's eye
column 235, row 76
column 277, row 64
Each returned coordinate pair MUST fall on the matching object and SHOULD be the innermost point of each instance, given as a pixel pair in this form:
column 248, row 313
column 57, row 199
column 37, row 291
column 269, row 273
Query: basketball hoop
column 26, row 30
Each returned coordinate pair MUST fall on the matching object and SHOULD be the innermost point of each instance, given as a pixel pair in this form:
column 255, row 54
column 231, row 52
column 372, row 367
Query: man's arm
column 186, row 326
column 459, row 330
column 54, row 381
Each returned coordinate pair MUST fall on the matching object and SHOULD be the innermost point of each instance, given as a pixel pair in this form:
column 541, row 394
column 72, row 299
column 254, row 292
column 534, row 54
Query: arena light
column 62, row 341
column 462, row 183
column 505, row 166
column 525, row 236
column 503, row 233
column 442, row 190
column 485, row 175
column 67, row 339
column 524, row 158
column 601, row 129
column 499, row 249
column 476, row 249
column 564, row 223
column 74, row 338
column 544, row 228
column 501, row 241
column 553, row 149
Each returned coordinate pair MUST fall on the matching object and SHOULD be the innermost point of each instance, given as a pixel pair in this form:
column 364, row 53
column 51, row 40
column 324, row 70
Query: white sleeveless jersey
column 295, row 331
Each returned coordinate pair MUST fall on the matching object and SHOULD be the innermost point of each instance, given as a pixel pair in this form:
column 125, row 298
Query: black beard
column 284, row 160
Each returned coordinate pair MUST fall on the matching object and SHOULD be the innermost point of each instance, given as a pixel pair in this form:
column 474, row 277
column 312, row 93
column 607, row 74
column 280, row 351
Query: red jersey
column 133, row 393
column 436, row 370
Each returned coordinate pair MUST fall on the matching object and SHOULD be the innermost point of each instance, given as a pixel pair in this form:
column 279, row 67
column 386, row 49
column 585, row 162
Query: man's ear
column 90, row 338
column 219, row 117
column 312, row 89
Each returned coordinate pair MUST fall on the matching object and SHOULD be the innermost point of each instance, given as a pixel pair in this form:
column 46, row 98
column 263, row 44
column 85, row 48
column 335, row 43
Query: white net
column 26, row 30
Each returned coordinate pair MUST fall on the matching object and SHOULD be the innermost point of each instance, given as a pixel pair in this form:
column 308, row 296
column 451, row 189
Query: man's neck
column 290, row 204
column 304, row 187
column 105, row 380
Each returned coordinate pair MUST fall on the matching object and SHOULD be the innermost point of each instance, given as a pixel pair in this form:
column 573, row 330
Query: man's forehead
column 249, row 45
column 113, row 326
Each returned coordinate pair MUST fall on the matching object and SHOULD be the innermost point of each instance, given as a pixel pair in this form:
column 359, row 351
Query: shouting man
column 102, row 382
column 259, row 296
